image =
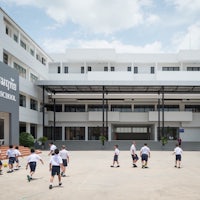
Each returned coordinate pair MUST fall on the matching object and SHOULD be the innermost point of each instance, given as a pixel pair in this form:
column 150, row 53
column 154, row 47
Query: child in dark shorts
column 116, row 156
column 54, row 166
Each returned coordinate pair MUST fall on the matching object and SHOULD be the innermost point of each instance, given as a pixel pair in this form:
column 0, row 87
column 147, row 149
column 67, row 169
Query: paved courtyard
column 89, row 177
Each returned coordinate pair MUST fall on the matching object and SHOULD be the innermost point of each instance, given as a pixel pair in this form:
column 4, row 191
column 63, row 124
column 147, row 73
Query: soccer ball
column 5, row 165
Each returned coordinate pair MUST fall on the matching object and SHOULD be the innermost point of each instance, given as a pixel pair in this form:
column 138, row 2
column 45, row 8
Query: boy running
column 11, row 155
column 116, row 156
column 178, row 154
column 32, row 163
column 133, row 154
column 64, row 154
column 54, row 166
column 18, row 154
column 145, row 154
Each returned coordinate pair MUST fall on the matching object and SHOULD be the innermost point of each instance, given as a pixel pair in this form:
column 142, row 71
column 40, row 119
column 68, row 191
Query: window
column 32, row 52
column 15, row 37
column 192, row 108
column 152, row 70
column 33, row 78
column 5, row 58
column 23, row 44
column 96, row 107
column 58, row 69
column 7, row 30
column 143, row 108
column 169, row 107
column 193, row 68
column 22, row 100
column 74, row 108
column 82, row 70
column 121, row 108
column 52, row 134
column 129, row 69
column 95, row 132
column 135, row 70
column 170, row 69
column 112, row 69
column 89, row 68
column 20, row 69
column 66, row 70
column 50, row 107
column 105, row 69
column 33, row 104
column 74, row 133
column 43, row 61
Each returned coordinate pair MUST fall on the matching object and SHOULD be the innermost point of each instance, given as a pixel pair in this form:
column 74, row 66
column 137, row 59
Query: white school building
column 86, row 93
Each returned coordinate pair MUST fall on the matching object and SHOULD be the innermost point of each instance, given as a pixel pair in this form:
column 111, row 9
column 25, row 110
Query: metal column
column 43, row 111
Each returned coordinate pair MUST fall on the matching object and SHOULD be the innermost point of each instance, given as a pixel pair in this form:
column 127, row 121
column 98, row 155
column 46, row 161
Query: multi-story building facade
column 85, row 93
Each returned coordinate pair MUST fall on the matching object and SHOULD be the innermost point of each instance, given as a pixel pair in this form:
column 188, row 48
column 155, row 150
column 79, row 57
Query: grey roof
column 119, row 86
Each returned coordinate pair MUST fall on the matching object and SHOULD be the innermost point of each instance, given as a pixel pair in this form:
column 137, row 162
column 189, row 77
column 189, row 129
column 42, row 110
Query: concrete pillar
column 86, row 133
column 28, row 127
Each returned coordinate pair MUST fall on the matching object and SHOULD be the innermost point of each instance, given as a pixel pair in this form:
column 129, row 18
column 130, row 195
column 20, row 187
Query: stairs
column 25, row 151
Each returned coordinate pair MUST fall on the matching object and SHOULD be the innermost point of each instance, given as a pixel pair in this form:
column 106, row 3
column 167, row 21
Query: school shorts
column 32, row 166
column 64, row 162
column 144, row 157
column 0, row 163
column 134, row 157
column 55, row 170
column 115, row 157
column 178, row 157
column 11, row 160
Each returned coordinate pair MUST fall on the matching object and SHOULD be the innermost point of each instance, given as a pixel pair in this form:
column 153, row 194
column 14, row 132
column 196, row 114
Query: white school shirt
column 116, row 152
column 33, row 158
column 133, row 149
column 145, row 150
column 56, row 160
column 64, row 154
column 53, row 147
column 178, row 151
column 18, row 153
column 11, row 153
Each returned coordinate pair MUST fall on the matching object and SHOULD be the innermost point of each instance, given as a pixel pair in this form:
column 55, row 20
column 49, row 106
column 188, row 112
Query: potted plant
column 42, row 141
column 102, row 139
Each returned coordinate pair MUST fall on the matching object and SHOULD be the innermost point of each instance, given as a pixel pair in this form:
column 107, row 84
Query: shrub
column 26, row 139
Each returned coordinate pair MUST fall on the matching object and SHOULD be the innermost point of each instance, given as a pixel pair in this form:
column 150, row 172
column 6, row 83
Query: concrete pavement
column 89, row 176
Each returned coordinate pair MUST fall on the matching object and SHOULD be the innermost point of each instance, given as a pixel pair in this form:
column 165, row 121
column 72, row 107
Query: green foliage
column 103, row 139
column 26, row 139
column 164, row 140
column 42, row 139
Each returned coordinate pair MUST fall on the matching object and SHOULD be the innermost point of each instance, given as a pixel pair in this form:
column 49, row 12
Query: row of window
column 119, row 108
column 112, row 69
column 33, row 102
column 74, row 133
column 129, row 69
column 21, row 70
column 25, row 45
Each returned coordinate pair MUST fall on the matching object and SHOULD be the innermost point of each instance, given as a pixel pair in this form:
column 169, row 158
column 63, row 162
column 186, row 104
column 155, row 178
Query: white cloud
column 60, row 46
column 186, row 5
column 96, row 16
column 189, row 39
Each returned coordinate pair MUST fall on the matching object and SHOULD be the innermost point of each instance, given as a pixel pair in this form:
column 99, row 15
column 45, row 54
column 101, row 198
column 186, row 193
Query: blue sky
column 128, row 26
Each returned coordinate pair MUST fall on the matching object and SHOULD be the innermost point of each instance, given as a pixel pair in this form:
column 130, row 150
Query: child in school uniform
column 178, row 155
column 116, row 156
column 54, row 166
column 32, row 163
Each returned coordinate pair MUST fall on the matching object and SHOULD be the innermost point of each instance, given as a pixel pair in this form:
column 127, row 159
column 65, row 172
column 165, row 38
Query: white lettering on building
column 9, row 85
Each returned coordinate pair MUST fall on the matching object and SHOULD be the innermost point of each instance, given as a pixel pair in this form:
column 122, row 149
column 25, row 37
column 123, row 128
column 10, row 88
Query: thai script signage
column 8, row 88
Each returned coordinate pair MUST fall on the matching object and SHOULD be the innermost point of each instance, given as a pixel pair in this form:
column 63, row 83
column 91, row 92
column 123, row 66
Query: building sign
column 9, row 100
column 8, row 88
